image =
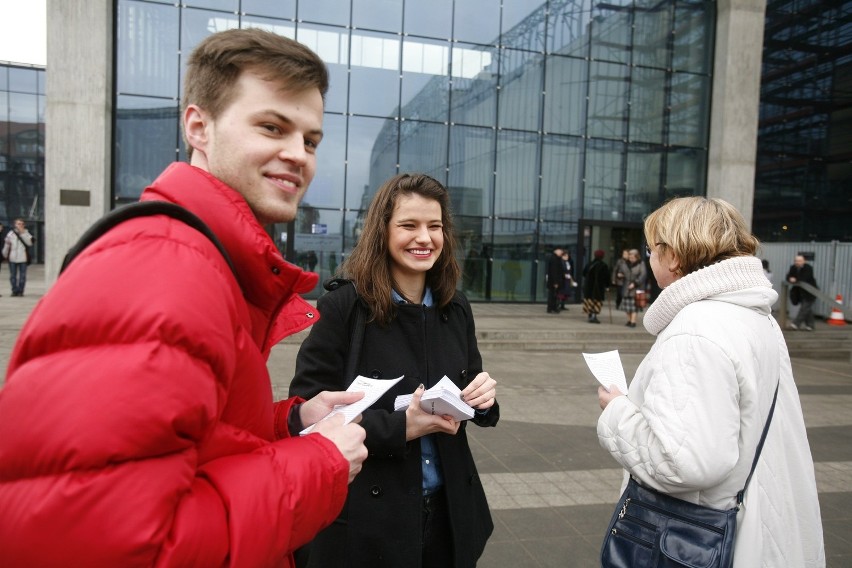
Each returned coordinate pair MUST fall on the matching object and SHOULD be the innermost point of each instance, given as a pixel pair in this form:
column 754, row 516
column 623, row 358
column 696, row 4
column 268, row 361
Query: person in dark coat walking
column 801, row 271
column 595, row 282
column 418, row 500
column 554, row 278
column 619, row 272
column 566, row 292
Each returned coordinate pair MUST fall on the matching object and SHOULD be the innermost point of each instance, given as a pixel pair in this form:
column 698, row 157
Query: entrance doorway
column 610, row 237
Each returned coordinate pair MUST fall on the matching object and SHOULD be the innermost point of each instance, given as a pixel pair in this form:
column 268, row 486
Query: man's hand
column 419, row 423
column 605, row 397
column 319, row 406
column 481, row 392
column 349, row 439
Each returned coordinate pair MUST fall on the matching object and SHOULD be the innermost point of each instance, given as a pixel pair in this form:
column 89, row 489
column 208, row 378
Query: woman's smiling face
column 415, row 236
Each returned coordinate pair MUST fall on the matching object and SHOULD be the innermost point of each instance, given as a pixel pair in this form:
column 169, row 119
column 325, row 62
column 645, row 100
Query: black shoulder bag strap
column 356, row 339
column 20, row 238
column 144, row 209
column 741, row 494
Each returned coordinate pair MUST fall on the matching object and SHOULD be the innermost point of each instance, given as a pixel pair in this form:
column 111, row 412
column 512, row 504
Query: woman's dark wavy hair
column 369, row 264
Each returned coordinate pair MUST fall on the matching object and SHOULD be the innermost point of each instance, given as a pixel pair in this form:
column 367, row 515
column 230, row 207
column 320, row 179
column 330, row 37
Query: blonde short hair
column 699, row 231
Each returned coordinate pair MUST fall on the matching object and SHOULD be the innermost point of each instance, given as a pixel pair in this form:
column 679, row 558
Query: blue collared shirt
column 429, row 460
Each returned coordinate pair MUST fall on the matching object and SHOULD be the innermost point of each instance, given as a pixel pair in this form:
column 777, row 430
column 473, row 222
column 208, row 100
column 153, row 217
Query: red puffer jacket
column 137, row 426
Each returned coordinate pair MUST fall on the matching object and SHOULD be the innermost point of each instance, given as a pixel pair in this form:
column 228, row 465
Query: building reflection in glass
column 540, row 118
column 22, row 104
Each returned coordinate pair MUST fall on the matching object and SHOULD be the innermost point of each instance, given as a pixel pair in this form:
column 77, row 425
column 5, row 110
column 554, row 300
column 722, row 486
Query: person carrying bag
column 650, row 528
column 692, row 432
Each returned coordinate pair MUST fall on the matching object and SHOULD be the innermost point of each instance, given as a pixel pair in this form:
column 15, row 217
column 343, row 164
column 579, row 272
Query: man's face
column 799, row 261
column 19, row 225
column 263, row 145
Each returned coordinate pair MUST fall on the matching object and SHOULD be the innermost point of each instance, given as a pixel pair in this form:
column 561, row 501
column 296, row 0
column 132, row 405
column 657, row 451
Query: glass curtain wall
column 804, row 142
column 22, row 105
column 535, row 114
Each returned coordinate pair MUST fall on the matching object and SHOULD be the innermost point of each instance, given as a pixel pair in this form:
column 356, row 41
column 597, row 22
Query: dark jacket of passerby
column 556, row 271
column 595, row 279
column 555, row 277
column 804, row 273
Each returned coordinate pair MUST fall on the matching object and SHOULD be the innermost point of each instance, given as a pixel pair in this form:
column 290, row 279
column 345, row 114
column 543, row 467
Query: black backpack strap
column 143, row 209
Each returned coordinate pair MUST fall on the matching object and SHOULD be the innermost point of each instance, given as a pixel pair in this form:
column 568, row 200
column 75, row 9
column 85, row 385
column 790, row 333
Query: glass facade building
column 553, row 123
column 22, row 105
column 803, row 184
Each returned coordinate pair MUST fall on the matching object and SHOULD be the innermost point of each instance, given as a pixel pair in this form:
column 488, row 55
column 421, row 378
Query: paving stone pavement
column 550, row 486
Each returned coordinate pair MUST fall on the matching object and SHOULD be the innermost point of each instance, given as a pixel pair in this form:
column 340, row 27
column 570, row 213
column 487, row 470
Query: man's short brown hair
column 216, row 63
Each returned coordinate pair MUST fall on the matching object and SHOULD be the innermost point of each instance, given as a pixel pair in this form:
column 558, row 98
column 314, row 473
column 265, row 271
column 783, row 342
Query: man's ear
column 195, row 122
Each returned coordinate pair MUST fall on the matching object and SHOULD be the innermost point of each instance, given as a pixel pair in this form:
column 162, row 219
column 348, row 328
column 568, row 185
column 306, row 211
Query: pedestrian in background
column 635, row 279
column 17, row 250
column 418, row 500
column 566, row 293
column 619, row 273
column 766, row 271
column 802, row 272
column 596, row 277
column 2, row 240
column 694, row 412
column 554, row 277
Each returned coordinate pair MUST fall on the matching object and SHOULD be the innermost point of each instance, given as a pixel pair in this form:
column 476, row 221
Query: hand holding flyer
column 607, row 369
column 372, row 389
column 444, row 398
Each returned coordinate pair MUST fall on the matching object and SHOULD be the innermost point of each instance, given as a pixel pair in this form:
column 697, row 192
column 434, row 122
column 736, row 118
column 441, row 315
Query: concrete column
column 78, row 152
column 736, row 99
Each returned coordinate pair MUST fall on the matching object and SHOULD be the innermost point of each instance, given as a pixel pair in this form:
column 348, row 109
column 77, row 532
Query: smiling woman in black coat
column 418, row 501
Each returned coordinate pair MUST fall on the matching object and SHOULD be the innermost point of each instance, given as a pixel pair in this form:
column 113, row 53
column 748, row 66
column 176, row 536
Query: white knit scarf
column 738, row 273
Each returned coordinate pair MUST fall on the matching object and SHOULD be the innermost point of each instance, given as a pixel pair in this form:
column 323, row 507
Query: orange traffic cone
column 837, row 315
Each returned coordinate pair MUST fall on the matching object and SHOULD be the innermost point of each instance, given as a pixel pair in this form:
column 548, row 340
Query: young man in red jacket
column 137, row 426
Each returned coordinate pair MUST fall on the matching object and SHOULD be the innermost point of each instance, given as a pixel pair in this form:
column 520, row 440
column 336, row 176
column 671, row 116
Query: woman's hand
column 481, row 392
column 419, row 423
column 606, row 396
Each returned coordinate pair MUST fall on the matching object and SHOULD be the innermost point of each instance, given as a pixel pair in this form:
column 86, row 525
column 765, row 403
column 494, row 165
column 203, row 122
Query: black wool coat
column 596, row 281
column 380, row 525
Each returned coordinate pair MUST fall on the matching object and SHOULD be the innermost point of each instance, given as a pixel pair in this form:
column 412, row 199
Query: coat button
column 375, row 374
column 376, row 491
column 276, row 270
column 445, row 318
column 464, row 373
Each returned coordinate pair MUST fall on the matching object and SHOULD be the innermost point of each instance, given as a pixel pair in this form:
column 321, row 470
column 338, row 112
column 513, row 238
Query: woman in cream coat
column 690, row 423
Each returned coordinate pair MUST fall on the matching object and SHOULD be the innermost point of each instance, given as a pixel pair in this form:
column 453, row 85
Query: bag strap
column 357, row 337
column 357, row 340
column 144, row 209
column 741, row 494
column 20, row 238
